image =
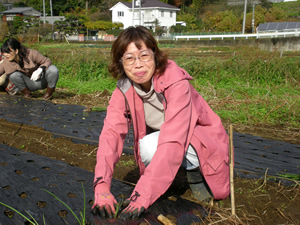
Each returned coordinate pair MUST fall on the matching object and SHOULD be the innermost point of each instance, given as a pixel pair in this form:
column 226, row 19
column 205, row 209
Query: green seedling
column 123, row 163
column 82, row 221
column 290, row 176
column 34, row 222
column 99, row 109
column 119, row 207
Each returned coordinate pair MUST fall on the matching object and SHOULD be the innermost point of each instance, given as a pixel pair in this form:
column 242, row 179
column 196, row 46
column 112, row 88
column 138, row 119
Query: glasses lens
column 145, row 56
column 128, row 59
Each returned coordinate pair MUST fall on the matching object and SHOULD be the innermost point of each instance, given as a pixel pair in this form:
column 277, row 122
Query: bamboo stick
column 231, row 175
column 164, row 220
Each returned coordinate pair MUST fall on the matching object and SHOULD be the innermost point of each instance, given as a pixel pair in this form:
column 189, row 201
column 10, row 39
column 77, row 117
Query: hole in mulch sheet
column 9, row 213
column 72, row 195
column 41, row 204
column 19, row 172
column 23, row 195
column 63, row 213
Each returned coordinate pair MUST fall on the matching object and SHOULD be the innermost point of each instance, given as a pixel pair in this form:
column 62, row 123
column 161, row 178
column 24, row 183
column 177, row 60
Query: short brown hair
column 137, row 35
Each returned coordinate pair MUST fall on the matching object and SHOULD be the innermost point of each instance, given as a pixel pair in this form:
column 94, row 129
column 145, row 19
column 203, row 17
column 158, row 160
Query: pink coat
column 188, row 120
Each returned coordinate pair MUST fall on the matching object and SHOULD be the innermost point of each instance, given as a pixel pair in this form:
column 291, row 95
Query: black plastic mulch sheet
column 25, row 177
column 71, row 121
column 253, row 156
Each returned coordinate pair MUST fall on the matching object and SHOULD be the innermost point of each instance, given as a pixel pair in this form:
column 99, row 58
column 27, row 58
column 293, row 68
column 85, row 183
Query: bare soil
column 257, row 201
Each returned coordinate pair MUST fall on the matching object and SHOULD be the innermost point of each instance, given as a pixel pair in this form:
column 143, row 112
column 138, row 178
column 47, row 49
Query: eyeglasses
column 144, row 56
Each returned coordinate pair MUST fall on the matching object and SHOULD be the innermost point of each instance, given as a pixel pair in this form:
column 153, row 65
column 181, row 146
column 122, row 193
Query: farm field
column 265, row 105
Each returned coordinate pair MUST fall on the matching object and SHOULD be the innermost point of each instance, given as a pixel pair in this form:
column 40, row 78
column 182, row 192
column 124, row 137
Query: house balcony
column 148, row 19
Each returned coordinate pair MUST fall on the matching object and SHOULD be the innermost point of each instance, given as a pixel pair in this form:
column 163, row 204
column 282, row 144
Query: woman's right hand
column 36, row 74
column 104, row 201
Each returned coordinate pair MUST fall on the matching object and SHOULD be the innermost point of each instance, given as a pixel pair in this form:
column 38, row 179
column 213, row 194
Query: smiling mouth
column 140, row 74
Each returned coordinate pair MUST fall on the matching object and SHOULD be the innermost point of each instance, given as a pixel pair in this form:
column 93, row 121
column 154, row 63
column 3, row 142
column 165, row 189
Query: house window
column 171, row 14
column 120, row 14
column 162, row 13
column 10, row 17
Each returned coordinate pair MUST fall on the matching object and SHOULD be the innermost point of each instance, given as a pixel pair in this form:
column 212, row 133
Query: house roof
column 26, row 11
column 278, row 26
column 150, row 4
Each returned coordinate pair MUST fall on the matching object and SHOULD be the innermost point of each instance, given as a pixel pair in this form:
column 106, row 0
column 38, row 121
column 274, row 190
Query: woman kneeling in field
column 173, row 126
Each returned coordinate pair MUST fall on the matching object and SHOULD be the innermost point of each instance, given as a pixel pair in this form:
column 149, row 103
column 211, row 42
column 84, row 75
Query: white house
column 144, row 14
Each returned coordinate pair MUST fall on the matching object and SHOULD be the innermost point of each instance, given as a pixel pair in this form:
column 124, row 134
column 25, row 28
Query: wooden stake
column 66, row 39
column 231, row 175
column 164, row 220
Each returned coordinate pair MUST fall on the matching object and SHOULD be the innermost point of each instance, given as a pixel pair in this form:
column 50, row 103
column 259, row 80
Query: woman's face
column 139, row 65
column 12, row 55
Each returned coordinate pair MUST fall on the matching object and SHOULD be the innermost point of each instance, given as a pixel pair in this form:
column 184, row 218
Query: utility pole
column 44, row 11
column 51, row 11
column 244, row 21
column 132, row 12
column 86, row 10
column 253, row 18
column 140, row 19
column 86, row 7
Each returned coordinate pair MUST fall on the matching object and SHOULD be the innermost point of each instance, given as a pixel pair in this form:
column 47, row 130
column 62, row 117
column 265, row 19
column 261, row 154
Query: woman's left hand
column 132, row 211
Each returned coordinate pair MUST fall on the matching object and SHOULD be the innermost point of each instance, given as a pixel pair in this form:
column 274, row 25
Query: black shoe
column 198, row 185
column 200, row 192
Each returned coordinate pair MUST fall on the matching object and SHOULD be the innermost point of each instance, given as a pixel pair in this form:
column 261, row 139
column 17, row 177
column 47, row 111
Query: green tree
column 158, row 31
column 266, row 4
column 57, row 6
column 36, row 4
column 196, row 7
column 2, row 8
column 102, row 25
column 190, row 20
column 72, row 25
column 18, row 25
column 275, row 15
column 228, row 23
column 178, row 29
column 32, row 21
column 3, row 31
column 248, row 23
column 211, row 20
column 259, row 15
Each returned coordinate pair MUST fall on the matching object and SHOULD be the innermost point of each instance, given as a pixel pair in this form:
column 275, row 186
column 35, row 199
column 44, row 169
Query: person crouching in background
column 28, row 69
